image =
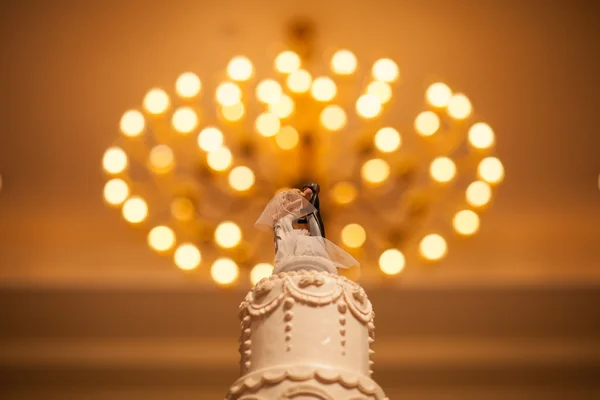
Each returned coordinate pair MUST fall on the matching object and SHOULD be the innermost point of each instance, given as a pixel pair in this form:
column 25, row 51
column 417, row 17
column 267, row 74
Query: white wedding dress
column 298, row 244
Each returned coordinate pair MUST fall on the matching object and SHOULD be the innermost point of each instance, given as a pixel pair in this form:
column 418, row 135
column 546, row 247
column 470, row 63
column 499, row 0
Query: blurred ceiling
column 69, row 69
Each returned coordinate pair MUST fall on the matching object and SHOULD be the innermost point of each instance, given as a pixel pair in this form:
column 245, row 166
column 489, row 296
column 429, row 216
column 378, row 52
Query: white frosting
column 306, row 334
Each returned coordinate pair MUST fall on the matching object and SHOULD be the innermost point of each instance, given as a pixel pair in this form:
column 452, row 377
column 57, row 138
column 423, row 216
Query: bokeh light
column 240, row 68
column 228, row 234
column 132, row 123
column 184, row 120
column 183, row 209
column 224, row 271
column 161, row 238
column 210, row 139
column 343, row 62
column 323, row 89
column 481, row 136
column 353, row 235
column 283, row 108
column 187, row 256
column 438, row 94
column 233, row 112
column 241, row 178
column 287, row 138
column 427, row 123
column 459, row 106
column 344, row 193
column 116, row 191
column 465, row 222
column 267, row 124
column 156, row 101
column 333, row 118
column 135, row 210
column 260, row 271
column 433, row 247
column 368, row 106
column 387, row 140
column 442, row 169
column 220, row 159
column 114, row 160
column 188, row 85
column 375, row 171
column 228, row 94
column 478, row 194
column 381, row 90
column 392, row 262
column 299, row 81
column 287, row 62
column 491, row 170
column 161, row 159
column 385, row 70
column 268, row 91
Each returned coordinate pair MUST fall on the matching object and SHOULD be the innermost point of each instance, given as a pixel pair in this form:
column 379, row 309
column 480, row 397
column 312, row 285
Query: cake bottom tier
column 305, row 382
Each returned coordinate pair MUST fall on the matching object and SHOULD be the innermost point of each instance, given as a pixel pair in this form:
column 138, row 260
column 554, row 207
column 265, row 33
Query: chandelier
column 195, row 166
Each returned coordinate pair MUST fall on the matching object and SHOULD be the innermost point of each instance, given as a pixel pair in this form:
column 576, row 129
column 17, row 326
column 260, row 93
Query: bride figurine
column 288, row 215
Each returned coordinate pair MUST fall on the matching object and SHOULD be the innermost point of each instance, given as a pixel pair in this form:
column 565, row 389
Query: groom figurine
column 314, row 221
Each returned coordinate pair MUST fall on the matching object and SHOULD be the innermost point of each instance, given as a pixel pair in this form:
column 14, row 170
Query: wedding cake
column 306, row 332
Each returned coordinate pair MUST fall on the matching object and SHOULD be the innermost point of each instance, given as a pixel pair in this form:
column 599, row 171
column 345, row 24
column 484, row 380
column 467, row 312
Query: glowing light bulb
column 220, row 159
column 184, row 120
column 385, row 70
column 135, row 210
column 116, row 191
column 333, row 118
column 224, row 271
column 114, row 160
column 228, row 94
column 287, row 138
column 344, row 193
column 188, row 85
column 268, row 91
column 438, row 95
column 182, row 209
column 388, row 140
column 287, row 62
column 459, row 106
column 267, row 124
column 187, row 256
column 234, row 112
column 132, row 123
column 241, row 178
column 323, row 89
column 368, row 106
column 375, row 171
column 161, row 238
column 299, row 81
column 353, row 235
column 161, row 159
column 260, row 271
column 427, row 123
column 478, row 194
column 240, row 68
column 228, row 234
column 433, row 247
column 491, row 170
column 283, row 108
column 343, row 62
column 442, row 169
column 466, row 222
column 382, row 90
column 481, row 136
column 392, row 262
column 210, row 139
column 156, row 101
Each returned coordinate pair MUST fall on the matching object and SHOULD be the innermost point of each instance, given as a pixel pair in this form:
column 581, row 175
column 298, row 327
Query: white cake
column 306, row 334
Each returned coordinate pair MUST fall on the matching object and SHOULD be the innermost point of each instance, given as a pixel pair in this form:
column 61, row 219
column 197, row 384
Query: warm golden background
column 88, row 312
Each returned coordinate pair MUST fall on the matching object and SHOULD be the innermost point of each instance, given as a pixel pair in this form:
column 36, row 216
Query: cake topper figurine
column 299, row 235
